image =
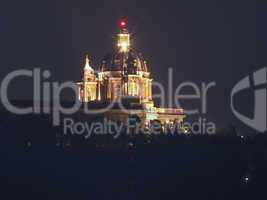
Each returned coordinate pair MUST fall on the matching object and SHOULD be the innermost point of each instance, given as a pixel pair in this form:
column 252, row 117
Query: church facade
column 123, row 75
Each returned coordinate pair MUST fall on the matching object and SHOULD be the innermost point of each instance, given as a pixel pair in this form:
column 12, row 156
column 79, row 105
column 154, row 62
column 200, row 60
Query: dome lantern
column 123, row 37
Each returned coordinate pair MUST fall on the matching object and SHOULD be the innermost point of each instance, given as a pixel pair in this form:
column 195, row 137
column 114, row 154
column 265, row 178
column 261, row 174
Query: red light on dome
column 122, row 24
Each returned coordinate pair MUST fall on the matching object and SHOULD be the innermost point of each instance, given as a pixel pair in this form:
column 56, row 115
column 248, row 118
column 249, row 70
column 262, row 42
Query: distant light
column 130, row 144
column 246, row 179
column 29, row 144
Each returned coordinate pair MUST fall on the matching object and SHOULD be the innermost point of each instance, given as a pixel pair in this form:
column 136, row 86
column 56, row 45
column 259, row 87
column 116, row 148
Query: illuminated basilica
column 124, row 76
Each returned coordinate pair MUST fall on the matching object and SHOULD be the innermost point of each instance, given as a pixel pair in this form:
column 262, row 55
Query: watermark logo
column 47, row 99
column 258, row 83
column 133, row 127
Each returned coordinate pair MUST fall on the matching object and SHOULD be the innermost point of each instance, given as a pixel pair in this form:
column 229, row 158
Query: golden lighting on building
column 124, row 74
column 124, row 42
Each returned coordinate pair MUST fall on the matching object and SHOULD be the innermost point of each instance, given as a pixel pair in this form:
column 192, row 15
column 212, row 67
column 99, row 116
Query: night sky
column 214, row 40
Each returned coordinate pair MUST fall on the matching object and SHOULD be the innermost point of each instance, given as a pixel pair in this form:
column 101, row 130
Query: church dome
column 130, row 62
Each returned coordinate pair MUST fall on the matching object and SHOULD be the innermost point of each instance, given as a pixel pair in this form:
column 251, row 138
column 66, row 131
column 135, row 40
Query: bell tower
column 88, row 90
column 88, row 71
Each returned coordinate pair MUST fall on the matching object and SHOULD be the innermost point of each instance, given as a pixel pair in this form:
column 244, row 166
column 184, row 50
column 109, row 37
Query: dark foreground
column 38, row 164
